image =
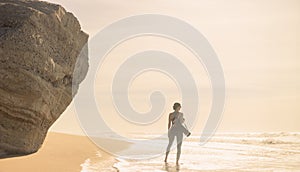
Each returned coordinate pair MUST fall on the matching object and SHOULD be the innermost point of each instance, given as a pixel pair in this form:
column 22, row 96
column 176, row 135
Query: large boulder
column 39, row 45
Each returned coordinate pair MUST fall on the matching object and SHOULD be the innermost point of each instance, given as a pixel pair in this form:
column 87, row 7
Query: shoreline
column 63, row 152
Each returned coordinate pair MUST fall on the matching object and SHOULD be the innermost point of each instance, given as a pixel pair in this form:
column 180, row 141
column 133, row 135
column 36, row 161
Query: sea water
column 276, row 151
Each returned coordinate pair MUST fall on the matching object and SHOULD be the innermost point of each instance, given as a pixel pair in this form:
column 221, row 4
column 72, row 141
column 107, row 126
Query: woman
column 177, row 129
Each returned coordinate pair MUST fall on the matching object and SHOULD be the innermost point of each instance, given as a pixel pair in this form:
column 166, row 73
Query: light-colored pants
column 177, row 131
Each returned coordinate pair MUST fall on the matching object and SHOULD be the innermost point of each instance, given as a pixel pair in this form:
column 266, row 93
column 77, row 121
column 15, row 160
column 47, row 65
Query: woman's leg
column 179, row 137
column 171, row 140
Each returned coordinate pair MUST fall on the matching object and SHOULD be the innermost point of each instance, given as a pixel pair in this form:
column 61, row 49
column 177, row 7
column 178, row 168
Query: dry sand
column 59, row 153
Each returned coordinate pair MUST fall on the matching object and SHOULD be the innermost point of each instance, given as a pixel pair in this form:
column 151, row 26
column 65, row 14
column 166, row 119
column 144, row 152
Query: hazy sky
column 257, row 42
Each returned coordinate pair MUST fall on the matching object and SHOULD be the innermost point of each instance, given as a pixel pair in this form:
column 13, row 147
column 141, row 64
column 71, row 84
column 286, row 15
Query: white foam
column 274, row 151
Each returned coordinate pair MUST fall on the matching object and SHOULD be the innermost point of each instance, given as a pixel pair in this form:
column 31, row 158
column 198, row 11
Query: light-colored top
column 177, row 118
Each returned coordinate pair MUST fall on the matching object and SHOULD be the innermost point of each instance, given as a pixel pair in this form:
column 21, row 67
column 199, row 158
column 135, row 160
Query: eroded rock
column 39, row 45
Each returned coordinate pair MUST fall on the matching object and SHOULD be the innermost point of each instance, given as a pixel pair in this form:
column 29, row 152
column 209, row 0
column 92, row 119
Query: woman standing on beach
column 177, row 129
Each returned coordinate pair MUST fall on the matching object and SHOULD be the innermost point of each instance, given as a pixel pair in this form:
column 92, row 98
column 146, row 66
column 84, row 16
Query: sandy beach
column 60, row 153
column 225, row 152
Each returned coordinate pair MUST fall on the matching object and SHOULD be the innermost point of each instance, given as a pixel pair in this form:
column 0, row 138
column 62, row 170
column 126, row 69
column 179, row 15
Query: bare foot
column 177, row 167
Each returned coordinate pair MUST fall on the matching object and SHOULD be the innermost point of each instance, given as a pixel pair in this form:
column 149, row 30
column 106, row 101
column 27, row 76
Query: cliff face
column 39, row 45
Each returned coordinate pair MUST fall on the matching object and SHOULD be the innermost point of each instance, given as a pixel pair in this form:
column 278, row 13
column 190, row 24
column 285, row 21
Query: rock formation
column 39, row 45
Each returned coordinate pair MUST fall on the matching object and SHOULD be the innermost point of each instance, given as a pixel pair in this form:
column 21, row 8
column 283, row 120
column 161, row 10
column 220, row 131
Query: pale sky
column 257, row 42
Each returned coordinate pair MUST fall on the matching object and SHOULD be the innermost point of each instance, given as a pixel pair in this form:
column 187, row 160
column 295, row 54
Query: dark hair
column 176, row 105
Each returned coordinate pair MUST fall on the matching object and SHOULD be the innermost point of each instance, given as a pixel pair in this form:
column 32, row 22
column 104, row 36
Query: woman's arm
column 181, row 118
column 169, row 123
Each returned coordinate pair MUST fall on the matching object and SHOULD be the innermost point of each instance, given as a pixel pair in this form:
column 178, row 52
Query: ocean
column 276, row 151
